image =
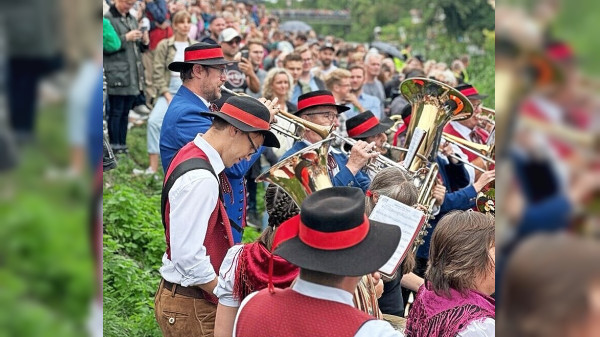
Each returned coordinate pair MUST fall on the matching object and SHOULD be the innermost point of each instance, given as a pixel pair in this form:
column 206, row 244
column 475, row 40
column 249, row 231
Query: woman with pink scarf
column 455, row 299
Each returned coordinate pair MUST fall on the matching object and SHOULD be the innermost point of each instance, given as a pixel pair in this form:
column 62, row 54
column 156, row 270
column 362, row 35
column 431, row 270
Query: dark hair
column 459, row 251
column 292, row 57
column 187, row 72
column 219, row 123
column 280, row 208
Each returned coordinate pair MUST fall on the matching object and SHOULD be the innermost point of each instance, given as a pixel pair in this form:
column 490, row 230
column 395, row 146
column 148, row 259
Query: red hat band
column 315, row 101
column 202, row 54
column 363, row 127
column 333, row 240
column 469, row 91
column 245, row 117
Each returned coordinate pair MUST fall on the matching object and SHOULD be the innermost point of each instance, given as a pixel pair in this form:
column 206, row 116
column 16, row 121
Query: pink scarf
column 439, row 316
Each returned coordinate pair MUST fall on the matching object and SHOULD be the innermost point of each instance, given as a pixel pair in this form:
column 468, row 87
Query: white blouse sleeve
column 479, row 328
column 226, row 279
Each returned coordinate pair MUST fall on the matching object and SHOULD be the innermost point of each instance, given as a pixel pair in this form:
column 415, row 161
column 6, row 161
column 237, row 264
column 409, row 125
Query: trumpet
column 299, row 125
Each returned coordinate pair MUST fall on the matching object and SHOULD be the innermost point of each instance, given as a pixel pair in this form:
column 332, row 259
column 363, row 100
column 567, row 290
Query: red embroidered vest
column 218, row 237
column 287, row 313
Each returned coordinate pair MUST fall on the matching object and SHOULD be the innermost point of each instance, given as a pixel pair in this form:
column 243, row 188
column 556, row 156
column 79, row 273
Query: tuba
column 302, row 173
column 433, row 105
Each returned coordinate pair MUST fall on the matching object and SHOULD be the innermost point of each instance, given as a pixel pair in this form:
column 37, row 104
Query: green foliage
column 46, row 267
column 134, row 243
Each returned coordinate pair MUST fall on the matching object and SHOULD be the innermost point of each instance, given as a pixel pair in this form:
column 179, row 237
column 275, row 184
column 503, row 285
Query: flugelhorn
column 299, row 124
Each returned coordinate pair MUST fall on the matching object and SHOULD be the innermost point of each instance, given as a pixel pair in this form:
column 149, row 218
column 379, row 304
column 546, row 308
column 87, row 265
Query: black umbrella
column 386, row 48
column 295, row 26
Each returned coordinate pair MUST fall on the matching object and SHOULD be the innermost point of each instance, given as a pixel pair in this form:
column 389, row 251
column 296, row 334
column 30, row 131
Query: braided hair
column 280, row 208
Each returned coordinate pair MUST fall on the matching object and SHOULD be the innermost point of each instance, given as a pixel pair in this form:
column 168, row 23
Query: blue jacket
column 462, row 199
column 344, row 177
column 181, row 124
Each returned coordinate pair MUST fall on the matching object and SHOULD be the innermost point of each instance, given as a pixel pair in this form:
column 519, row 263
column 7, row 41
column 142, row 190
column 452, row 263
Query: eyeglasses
column 331, row 116
column 254, row 149
column 234, row 41
column 222, row 70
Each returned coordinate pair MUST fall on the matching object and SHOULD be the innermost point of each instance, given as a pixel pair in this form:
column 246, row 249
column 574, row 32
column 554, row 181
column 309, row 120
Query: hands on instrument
column 273, row 107
column 448, row 151
column 378, row 283
column 485, row 178
column 360, row 155
column 439, row 192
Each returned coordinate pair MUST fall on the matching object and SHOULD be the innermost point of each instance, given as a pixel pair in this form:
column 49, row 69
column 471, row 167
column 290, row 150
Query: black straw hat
column 249, row 115
column 318, row 98
column 200, row 53
column 333, row 235
column 365, row 125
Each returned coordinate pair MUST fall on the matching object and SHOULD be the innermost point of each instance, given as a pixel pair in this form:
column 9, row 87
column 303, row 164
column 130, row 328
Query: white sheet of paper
column 410, row 221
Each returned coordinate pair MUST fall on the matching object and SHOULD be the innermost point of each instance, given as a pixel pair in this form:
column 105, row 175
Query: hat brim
column 270, row 138
column 380, row 128
column 340, row 108
column 179, row 66
column 477, row 96
column 366, row 257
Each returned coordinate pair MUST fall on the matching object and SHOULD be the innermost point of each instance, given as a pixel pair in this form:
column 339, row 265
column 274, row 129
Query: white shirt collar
column 206, row 103
column 462, row 130
column 211, row 153
column 323, row 292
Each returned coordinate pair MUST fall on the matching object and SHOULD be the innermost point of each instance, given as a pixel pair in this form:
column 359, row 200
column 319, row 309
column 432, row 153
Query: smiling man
column 197, row 229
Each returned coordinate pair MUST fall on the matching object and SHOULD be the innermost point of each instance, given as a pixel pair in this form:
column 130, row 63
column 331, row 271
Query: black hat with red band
column 249, row 115
column 365, row 125
column 200, row 53
column 469, row 91
column 333, row 235
column 318, row 98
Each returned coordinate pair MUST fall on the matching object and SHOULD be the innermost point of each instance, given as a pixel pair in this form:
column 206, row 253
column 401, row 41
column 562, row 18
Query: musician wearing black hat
column 197, row 229
column 366, row 127
column 320, row 108
column 334, row 244
column 203, row 74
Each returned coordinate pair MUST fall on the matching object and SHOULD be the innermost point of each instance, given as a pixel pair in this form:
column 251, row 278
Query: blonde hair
column 335, row 77
column 267, row 89
column 181, row 16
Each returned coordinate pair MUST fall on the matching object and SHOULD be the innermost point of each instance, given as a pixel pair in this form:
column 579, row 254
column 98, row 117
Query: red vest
column 449, row 129
column 218, row 237
column 287, row 313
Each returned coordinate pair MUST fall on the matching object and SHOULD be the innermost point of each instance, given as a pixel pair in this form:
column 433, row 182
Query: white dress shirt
column 465, row 132
column 371, row 328
column 192, row 200
column 479, row 328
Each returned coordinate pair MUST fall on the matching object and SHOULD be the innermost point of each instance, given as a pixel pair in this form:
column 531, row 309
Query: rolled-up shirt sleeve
column 192, row 201
column 226, row 280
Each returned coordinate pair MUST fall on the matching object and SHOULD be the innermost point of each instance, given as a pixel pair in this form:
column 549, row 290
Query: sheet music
column 410, row 221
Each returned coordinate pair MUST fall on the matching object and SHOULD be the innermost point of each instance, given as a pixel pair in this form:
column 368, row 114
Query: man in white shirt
column 197, row 228
column 334, row 244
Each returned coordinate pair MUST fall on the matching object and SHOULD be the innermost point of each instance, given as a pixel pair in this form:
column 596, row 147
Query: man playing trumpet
column 320, row 108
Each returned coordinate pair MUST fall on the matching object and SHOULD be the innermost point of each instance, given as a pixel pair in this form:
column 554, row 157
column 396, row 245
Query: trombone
column 299, row 125
column 481, row 150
